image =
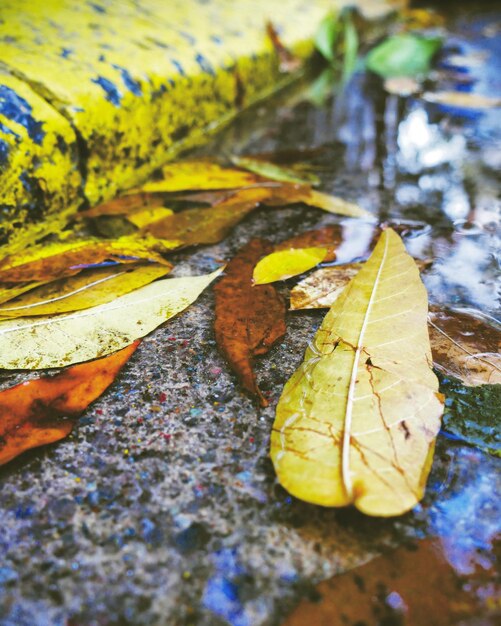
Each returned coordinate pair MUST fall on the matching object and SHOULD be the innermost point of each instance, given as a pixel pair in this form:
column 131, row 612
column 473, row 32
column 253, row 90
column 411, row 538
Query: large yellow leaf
column 356, row 423
column 60, row 340
column 87, row 289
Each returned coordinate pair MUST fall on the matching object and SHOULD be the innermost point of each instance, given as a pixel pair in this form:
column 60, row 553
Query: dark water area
column 162, row 508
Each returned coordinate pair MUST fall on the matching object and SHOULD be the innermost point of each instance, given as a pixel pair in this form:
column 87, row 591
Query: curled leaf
column 44, row 410
column 465, row 346
column 58, row 259
column 186, row 175
column 248, row 320
column 356, row 423
column 60, row 340
column 86, row 289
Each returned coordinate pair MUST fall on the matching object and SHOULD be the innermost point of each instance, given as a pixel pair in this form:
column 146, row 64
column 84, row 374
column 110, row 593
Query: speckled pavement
column 162, row 508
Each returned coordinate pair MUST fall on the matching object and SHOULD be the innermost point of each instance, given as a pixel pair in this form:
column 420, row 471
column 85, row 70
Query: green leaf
column 327, row 36
column 403, row 55
column 60, row 340
column 350, row 47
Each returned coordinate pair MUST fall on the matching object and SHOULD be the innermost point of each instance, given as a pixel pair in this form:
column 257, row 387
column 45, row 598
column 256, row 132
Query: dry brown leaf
column 124, row 205
column 248, row 320
column 212, row 224
column 44, row 410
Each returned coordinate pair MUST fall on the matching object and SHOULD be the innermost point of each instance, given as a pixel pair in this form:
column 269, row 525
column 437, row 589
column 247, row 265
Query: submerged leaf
column 420, row 579
column 59, row 259
column 462, row 99
column 266, row 169
column 87, row 289
column 248, row 320
column 465, row 346
column 298, row 254
column 60, row 340
column 44, row 410
column 356, row 423
column 403, row 55
column 186, row 175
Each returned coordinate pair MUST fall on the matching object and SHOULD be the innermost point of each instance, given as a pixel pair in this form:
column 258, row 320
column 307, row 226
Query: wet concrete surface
column 162, row 507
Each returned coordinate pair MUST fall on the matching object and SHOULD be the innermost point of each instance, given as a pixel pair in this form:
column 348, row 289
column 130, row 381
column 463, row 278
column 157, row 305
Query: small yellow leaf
column 60, row 340
column 186, row 175
column 89, row 288
column 356, row 423
column 286, row 263
column 333, row 204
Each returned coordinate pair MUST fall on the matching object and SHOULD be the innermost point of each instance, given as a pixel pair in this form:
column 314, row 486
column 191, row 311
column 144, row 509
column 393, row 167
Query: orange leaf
column 124, row 205
column 248, row 320
column 44, row 410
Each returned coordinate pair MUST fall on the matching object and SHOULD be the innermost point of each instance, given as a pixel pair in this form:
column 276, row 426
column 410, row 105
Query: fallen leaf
column 288, row 62
column 356, row 423
column 290, row 194
column 462, row 99
column 403, row 55
column 60, row 340
column 298, row 255
column 209, row 225
column 472, row 414
column 285, row 264
column 272, row 171
column 86, row 289
column 465, row 346
column 124, row 205
column 321, row 289
column 44, row 410
column 413, row 585
column 59, row 259
column 11, row 291
column 248, row 320
column 187, row 175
